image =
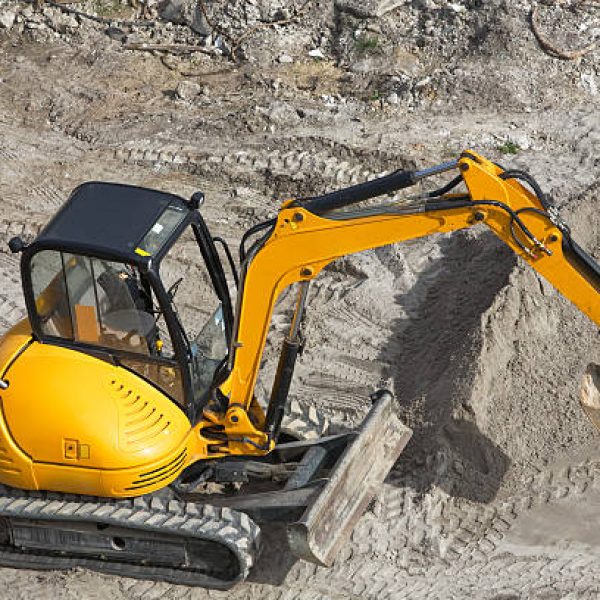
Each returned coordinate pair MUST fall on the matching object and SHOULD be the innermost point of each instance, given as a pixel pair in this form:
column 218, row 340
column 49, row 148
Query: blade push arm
column 307, row 237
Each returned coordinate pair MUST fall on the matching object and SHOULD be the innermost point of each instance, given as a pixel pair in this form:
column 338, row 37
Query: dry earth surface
column 497, row 495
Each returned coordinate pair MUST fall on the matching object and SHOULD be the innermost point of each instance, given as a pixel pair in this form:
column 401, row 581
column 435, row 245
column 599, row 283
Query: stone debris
column 7, row 18
column 316, row 53
column 184, row 12
column 188, row 90
column 393, row 98
column 368, row 8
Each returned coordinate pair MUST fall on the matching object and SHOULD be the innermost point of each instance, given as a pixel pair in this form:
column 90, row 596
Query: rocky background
column 255, row 101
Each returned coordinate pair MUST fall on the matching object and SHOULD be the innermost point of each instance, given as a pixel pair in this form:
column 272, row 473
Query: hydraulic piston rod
column 291, row 348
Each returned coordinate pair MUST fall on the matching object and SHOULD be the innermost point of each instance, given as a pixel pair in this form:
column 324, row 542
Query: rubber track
column 230, row 528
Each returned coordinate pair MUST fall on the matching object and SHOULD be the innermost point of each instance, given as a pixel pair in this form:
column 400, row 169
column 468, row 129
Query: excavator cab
column 99, row 279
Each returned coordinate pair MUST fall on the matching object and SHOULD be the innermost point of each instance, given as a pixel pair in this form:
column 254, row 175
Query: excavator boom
column 310, row 234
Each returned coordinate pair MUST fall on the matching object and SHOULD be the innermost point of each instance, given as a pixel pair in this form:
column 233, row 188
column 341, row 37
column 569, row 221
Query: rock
column 115, row 33
column 173, row 11
column 279, row 113
column 367, row 9
column 393, row 98
column 457, row 8
column 385, row 6
column 285, row 59
column 184, row 12
column 374, row 28
column 459, row 467
column 588, row 82
column 70, row 21
column 283, row 13
column 7, row 18
column 60, row 22
column 132, row 38
column 426, row 5
column 316, row 53
column 36, row 21
column 199, row 23
column 188, row 90
column 363, row 66
column 520, row 139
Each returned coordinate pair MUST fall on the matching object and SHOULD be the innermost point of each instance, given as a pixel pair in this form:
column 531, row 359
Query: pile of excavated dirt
column 494, row 495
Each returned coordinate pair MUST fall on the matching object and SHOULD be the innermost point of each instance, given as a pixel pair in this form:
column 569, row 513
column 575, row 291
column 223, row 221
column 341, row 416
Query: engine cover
column 72, row 422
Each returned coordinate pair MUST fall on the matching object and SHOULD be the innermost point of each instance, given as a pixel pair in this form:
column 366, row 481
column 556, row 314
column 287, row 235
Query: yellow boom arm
column 302, row 243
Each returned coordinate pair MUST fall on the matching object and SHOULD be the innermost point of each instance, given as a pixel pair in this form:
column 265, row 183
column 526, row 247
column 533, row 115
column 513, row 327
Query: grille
column 150, row 478
column 7, row 464
column 143, row 421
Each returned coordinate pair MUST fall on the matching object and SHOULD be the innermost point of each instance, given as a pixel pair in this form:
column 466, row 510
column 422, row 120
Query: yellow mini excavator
column 119, row 419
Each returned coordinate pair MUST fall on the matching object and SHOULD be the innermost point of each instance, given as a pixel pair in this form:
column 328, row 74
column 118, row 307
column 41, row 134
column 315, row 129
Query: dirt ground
column 497, row 495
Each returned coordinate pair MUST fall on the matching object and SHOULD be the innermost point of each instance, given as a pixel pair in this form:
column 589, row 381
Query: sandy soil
column 496, row 496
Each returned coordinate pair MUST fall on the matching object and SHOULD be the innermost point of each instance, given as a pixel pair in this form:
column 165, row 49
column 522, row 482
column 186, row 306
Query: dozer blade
column 590, row 394
column 354, row 480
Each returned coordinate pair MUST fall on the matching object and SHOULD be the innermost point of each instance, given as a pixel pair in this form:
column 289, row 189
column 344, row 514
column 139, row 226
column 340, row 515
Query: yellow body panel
column 75, row 423
column 12, row 343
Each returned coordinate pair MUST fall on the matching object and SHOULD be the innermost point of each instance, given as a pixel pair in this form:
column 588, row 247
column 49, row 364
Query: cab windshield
column 198, row 311
column 208, row 350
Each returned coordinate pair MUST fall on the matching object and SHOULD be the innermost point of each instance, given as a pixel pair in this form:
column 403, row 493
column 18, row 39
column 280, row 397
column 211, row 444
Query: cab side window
column 50, row 294
column 107, row 303
column 92, row 300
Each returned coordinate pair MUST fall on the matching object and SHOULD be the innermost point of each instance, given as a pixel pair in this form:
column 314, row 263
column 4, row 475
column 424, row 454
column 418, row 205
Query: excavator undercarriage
column 319, row 488
column 143, row 537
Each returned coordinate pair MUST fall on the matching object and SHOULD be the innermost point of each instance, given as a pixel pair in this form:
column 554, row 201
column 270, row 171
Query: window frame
column 150, row 267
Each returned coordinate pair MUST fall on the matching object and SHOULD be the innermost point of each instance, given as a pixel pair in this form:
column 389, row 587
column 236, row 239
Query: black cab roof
column 114, row 219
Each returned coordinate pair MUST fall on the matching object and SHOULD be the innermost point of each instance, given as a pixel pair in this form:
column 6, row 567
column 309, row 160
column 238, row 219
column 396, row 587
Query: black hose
column 527, row 178
column 515, row 217
column 462, row 201
column 225, row 246
column 252, row 231
column 259, row 242
column 532, row 209
column 446, row 188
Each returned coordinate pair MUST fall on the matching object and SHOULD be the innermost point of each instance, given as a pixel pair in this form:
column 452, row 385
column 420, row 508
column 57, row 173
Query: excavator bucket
column 354, row 480
column 590, row 394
